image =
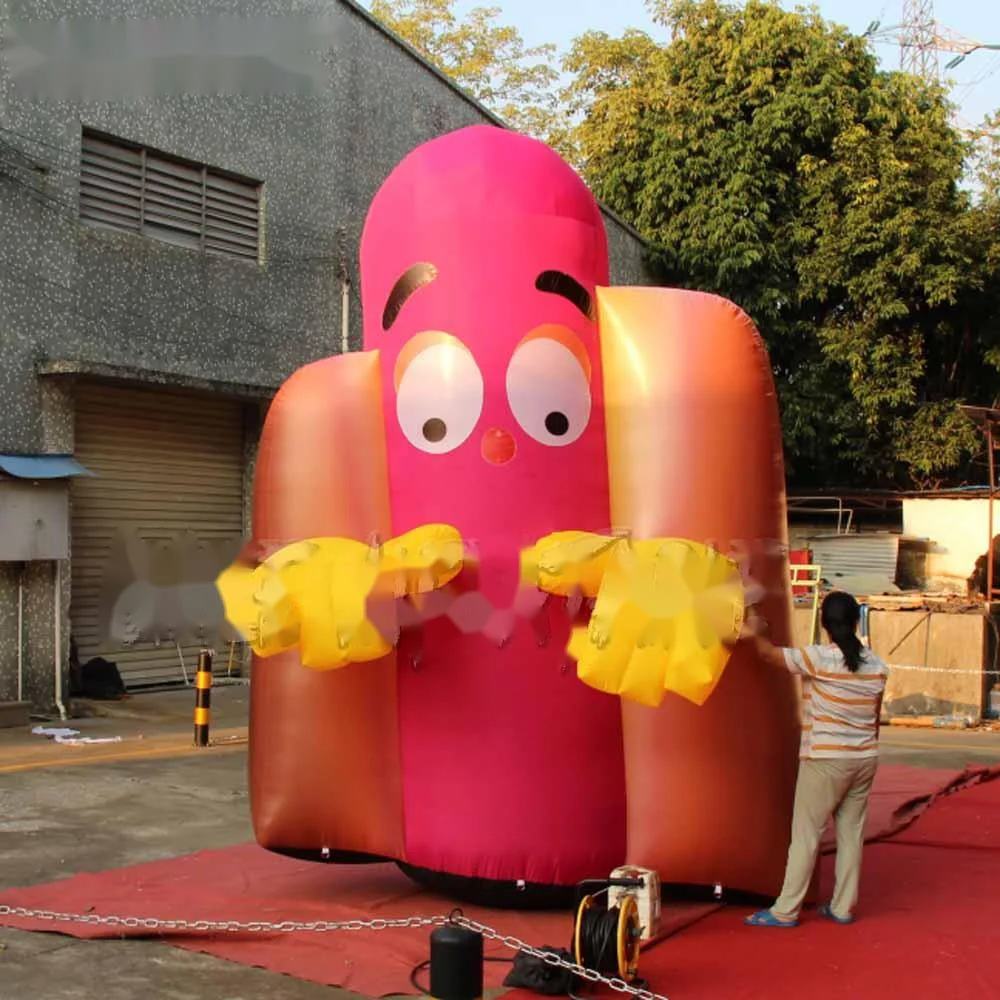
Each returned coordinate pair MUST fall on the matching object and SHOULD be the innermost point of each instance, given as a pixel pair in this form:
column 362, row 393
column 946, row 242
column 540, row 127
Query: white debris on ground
column 72, row 736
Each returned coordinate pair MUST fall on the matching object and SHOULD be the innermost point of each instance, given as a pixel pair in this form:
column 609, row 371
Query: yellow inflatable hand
column 569, row 561
column 663, row 609
column 314, row 594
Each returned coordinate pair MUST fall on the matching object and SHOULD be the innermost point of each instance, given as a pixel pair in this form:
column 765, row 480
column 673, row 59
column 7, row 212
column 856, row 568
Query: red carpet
column 927, row 930
column 247, row 883
column 931, row 909
column 903, row 794
column 971, row 821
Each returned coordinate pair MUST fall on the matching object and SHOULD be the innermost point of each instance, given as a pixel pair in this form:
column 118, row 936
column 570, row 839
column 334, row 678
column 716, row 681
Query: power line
column 67, row 301
column 921, row 38
column 40, row 165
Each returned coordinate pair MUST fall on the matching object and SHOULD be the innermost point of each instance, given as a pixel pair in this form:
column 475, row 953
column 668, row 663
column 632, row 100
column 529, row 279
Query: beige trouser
column 825, row 788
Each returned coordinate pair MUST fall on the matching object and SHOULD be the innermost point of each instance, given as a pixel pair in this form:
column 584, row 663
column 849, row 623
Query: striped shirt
column 840, row 710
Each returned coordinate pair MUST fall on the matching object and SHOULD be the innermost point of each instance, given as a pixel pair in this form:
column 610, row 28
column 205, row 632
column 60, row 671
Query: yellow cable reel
column 628, row 937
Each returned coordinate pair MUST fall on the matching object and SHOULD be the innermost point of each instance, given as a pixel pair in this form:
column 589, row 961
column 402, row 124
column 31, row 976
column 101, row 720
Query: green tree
column 988, row 159
column 987, row 228
column 766, row 158
column 488, row 59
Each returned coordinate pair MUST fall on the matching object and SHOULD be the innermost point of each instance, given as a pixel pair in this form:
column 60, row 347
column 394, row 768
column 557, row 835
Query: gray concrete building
column 182, row 189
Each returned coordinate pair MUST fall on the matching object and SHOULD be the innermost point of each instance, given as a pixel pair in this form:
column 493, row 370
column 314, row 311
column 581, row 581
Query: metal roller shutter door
column 166, row 462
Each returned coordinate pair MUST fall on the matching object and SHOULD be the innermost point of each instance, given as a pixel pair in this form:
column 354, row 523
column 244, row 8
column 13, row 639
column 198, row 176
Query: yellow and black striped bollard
column 203, row 698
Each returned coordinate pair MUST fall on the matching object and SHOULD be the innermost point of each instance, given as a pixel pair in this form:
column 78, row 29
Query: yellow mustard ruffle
column 664, row 608
column 314, row 594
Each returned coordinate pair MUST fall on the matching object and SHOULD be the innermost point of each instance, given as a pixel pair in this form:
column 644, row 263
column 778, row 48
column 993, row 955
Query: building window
column 129, row 187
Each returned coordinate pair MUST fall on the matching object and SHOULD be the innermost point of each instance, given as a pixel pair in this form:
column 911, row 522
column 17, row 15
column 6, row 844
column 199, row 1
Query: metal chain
column 515, row 944
column 456, row 918
column 222, row 926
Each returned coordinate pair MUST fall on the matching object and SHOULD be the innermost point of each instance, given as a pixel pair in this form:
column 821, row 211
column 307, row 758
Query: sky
column 976, row 81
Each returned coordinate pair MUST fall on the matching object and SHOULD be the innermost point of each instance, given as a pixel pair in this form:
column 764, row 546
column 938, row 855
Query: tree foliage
column 485, row 57
column 765, row 157
column 987, row 160
column 768, row 159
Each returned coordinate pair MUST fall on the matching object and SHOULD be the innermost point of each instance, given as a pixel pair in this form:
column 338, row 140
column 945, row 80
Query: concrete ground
column 68, row 809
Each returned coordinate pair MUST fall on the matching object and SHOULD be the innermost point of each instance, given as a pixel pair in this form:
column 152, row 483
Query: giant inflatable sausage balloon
column 498, row 554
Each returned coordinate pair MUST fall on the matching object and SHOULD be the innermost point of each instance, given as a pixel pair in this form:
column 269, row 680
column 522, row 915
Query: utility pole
column 918, row 53
column 921, row 38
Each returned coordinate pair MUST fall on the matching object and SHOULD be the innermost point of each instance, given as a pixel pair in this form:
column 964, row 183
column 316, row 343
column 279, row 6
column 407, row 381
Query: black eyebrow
column 410, row 281
column 560, row 283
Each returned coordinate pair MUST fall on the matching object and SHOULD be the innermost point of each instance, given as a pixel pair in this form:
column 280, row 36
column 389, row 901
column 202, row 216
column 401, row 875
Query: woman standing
column 842, row 687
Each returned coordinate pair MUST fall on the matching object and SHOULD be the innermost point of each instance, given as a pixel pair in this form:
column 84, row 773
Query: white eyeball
column 439, row 398
column 548, row 391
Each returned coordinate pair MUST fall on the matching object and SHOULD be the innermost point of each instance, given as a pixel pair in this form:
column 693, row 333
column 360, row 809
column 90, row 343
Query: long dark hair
column 840, row 615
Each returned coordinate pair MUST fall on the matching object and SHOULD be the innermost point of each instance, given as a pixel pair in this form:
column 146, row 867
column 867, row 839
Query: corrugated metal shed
column 862, row 554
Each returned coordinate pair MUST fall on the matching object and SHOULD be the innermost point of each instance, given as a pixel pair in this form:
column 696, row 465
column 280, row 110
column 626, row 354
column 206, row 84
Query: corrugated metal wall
column 863, row 554
column 166, row 463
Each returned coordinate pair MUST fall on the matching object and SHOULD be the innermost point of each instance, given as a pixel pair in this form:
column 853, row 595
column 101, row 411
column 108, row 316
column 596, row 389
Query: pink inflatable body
column 480, row 711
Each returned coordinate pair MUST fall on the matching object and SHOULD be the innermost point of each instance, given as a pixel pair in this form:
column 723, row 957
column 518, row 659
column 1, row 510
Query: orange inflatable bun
column 694, row 451
column 321, row 473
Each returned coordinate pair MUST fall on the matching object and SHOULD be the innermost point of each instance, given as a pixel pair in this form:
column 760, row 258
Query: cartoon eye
column 549, row 390
column 439, row 396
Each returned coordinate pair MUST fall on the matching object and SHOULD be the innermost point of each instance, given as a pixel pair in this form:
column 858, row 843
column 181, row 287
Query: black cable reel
column 606, row 939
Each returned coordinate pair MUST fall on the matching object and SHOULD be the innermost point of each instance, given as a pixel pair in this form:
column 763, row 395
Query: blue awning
column 42, row 466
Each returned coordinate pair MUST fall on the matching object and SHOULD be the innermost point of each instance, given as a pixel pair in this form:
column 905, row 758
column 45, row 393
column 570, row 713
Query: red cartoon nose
column 498, row 446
